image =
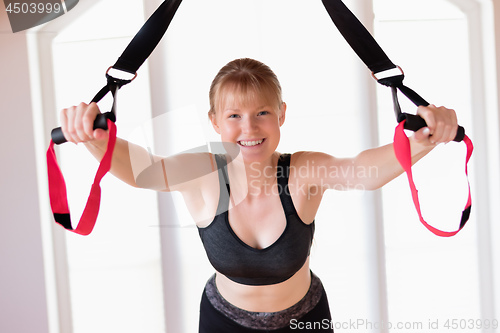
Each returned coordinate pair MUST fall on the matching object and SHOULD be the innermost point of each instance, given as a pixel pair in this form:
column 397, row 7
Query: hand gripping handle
column 99, row 122
column 414, row 123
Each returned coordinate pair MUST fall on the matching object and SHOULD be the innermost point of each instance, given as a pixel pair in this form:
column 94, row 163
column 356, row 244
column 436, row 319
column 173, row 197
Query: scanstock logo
column 28, row 14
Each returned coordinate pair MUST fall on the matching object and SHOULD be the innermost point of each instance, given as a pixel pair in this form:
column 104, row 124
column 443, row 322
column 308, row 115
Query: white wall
column 23, row 305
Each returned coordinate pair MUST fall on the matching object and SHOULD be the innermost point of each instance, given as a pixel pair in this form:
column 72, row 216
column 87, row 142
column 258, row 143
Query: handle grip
column 414, row 123
column 101, row 121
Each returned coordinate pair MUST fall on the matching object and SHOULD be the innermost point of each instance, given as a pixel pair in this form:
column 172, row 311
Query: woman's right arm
column 77, row 127
column 131, row 163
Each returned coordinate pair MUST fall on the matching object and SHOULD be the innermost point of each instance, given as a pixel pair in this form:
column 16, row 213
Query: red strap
column 57, row 189
column 403, row 154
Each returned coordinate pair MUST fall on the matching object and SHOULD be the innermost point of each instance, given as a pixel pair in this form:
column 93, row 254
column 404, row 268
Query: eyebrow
column 258, row 108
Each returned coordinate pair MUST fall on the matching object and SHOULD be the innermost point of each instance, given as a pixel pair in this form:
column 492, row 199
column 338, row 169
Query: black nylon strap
column 134, row 55
column 367, row 48
column 138, row 50
column 141, row 46
column 355, row 33
column 145, row 41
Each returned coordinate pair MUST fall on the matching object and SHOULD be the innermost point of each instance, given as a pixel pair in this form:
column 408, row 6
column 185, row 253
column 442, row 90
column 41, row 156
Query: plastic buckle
column 118, row 79
column 389, row 72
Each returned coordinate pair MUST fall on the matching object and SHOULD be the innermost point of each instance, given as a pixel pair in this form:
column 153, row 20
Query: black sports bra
column 244, row 264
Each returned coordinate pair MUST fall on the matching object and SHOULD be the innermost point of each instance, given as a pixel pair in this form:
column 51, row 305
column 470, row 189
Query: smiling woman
column 254, row 122
column 259, row 247
column 251, row 111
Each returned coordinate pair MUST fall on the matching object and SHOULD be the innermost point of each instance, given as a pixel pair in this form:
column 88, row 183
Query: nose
column 249, row 125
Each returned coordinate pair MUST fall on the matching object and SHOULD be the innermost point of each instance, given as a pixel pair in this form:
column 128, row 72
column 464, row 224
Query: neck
column 259, row 176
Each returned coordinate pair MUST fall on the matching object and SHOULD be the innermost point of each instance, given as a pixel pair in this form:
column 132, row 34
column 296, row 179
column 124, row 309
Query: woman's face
column 254, row 126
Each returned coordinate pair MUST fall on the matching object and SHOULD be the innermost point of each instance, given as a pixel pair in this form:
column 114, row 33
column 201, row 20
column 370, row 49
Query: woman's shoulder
column 312, row 158
column 185, row 171
column 315, row 168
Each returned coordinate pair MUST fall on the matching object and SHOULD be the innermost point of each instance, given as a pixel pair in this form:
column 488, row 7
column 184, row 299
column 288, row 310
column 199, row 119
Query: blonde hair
column 247, row 79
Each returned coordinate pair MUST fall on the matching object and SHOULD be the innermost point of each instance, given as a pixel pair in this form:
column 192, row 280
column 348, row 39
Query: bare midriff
column 268, row 298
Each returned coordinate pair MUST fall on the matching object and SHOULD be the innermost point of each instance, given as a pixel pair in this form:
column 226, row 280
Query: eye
column 233, row 116
column 263, row 113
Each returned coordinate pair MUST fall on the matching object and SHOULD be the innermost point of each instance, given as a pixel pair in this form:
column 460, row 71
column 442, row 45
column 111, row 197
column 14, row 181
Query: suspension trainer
column 134, row 55
column 146, row 40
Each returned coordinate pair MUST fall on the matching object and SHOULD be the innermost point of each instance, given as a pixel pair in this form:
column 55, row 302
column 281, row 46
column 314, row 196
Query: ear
column 282, row 114
column 213, row 119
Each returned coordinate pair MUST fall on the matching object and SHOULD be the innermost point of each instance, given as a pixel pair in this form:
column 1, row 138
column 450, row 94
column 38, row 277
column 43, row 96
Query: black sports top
column 244, row 264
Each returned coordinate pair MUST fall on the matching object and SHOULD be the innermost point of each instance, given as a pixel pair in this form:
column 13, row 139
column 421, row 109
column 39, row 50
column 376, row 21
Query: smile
column 250, row 143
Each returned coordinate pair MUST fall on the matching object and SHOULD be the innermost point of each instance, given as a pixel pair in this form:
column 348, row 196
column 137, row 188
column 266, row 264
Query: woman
column 254, row 206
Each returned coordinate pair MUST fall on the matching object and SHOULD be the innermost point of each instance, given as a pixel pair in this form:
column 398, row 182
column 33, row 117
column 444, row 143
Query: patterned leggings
column 310, row 314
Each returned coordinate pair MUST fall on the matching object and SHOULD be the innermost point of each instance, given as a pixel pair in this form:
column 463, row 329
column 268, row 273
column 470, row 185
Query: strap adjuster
column 120, row 81
column 390, row 73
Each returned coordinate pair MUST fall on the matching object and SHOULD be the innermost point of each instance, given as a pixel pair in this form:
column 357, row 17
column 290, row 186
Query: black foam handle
column 414, row 123
column 101, row 121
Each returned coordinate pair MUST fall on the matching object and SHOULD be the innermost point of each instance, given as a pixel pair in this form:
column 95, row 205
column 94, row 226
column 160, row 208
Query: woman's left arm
column 441, row 128
column 373, row 168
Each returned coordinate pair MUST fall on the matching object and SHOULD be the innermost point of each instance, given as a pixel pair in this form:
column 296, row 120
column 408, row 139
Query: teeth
column 251, row 143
